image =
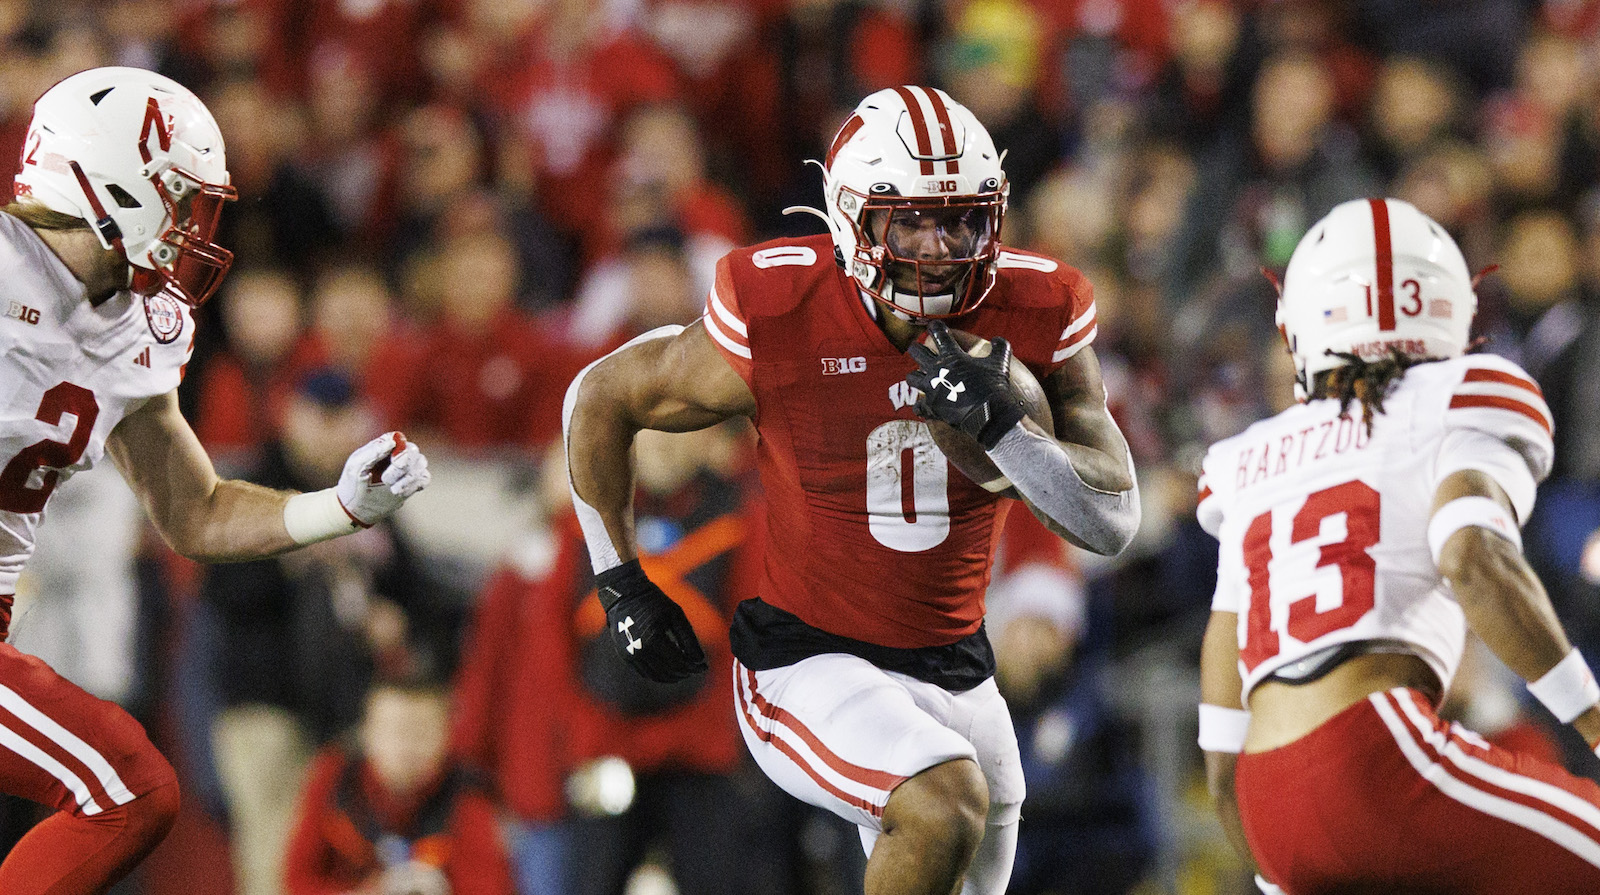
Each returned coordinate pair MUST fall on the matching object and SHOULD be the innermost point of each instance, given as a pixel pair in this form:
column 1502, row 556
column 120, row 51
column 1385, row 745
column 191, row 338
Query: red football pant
column 59, row 746
column 1386, row 798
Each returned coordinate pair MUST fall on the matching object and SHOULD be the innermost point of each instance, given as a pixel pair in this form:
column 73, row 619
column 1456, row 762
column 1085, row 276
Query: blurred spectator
column 392, row 814
column 283, row 216
column 652, row 283
column 1535, row 290
column 1091, row 827
column 1415, row 105
column 354, row 329
column 1202, row 87
column 570, row 77
column 992, row 65
column 292, row 641
column 447, row 193
column 660, row 180
column 243, row 387
column 351, row 153
column 598, row 765
column 491, row 376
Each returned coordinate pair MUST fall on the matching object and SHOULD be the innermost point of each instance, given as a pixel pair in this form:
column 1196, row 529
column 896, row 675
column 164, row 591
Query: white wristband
column 1266, row 887
column 1568, row 689
column 1223, row 729
column 1471, row 511
column 317, row 516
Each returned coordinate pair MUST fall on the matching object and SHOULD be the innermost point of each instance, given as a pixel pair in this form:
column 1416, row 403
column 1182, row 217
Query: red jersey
column 870, row 534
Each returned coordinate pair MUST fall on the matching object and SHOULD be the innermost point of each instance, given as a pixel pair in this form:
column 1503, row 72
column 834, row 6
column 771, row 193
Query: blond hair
column 39, row 217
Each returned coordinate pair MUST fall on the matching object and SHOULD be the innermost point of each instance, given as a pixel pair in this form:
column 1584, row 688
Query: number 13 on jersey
column 1310, row 616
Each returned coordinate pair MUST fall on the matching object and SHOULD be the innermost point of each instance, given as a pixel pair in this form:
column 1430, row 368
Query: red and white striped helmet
column 915, row 152
column 1374, row 275
column 139, row 157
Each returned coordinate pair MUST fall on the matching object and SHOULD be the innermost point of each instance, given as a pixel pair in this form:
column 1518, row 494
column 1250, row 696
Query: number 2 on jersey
column 1359, row 504
column 16, row 496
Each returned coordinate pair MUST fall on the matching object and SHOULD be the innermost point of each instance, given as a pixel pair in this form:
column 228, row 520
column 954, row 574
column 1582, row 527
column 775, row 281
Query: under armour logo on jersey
column 955, row 388
column 625, row 628
column 143, row 357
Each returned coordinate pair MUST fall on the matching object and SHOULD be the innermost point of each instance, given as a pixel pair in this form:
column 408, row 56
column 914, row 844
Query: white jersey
column 1323, row 527
column 70, row 373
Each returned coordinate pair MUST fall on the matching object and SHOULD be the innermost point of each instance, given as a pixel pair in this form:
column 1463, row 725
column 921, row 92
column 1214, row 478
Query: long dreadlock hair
column 1366, row 381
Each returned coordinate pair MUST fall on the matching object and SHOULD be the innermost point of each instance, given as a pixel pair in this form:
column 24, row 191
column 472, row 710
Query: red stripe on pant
column 867, row 777
column 1344, row 806
column 104, row 726
column 1428, row 740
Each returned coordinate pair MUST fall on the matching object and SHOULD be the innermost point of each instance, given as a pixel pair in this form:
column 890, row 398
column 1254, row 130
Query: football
column 964, row 453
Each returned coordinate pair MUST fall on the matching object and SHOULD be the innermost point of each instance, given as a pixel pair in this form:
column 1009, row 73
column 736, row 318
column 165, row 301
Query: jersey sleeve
column 1078, row 324
column 1494, row 400
column 1208, row 506
column 725, row 323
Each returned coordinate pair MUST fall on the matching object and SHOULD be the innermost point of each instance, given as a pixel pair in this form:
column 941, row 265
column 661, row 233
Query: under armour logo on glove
column 956, row 388
column 650, row 630
column 979, row 399
column 625, row 628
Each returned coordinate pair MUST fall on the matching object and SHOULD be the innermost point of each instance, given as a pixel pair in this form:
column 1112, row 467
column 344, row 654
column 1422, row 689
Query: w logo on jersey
column 901, row 395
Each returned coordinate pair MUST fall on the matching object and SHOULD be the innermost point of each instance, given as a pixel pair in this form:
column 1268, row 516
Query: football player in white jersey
column 104, row 254
column 1363, row 531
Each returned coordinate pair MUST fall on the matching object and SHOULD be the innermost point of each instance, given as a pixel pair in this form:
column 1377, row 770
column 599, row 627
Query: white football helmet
column 139, row 157
column 1374, row 275
column 911, row 164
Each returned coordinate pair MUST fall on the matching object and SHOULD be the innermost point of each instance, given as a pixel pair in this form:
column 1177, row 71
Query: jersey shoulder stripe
column 1491, row 389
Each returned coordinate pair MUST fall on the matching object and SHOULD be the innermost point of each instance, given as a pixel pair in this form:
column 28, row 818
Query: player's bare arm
column 197, row 513
column 211, row 519
column 671, row 380
column 1503, row 600
column 676, row 383
column 1084, row 426
column 1223, row 722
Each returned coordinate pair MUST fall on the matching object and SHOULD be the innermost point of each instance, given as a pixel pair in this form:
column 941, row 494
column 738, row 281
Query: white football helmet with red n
column 1374, row 275
column 139, row 157
column 915, row 157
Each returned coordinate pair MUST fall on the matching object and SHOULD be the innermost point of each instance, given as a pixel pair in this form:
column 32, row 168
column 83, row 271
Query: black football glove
column 972, row 394
column 649, row 630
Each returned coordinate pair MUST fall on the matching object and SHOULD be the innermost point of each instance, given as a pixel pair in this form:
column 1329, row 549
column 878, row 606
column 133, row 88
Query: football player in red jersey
column 863, row 676
column 104, row 255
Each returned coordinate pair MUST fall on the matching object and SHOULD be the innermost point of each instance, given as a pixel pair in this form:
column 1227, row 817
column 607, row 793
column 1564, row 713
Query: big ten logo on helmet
column 935, row 187
column 19, row 311
column 834, row 366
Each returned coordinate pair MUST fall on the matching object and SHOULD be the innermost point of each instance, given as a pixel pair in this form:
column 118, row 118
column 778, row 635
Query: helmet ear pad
column 1372, row 277
column 914, row 149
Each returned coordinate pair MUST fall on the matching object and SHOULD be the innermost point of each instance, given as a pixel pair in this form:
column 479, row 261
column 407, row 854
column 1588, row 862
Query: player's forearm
column 1042, row 470
column 235, row 522
column 1224, row 801
column 1504, row 602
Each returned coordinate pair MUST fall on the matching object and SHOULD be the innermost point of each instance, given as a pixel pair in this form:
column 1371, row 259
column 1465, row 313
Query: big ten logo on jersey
column 1293, row 450
column 835, row 366
column 903, row 395
column 19, row 311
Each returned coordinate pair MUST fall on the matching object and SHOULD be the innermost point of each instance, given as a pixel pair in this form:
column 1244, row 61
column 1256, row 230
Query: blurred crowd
column 447, row 207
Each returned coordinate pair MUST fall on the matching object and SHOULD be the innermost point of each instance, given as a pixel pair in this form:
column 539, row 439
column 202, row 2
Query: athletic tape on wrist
column 1471, row 511
column 1567, row 690
column 1223, row 729
column 317, row 516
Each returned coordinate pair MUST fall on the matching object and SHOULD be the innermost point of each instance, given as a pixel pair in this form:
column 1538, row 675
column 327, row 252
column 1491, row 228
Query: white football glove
column 379, row 476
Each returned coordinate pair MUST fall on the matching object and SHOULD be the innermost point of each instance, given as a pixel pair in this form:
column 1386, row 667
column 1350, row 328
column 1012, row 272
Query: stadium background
column 448, row 206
